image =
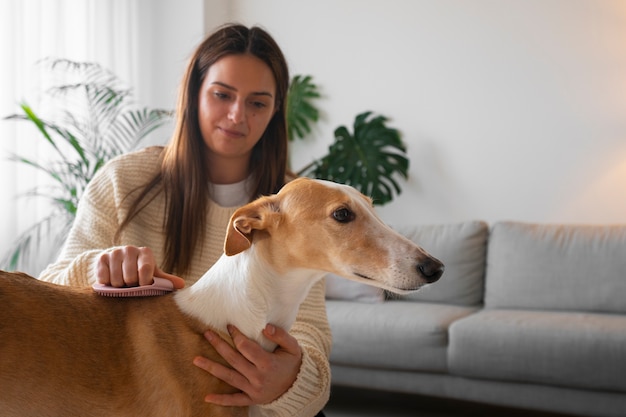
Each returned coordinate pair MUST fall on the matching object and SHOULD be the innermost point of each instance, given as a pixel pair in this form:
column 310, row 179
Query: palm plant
column 97, row 122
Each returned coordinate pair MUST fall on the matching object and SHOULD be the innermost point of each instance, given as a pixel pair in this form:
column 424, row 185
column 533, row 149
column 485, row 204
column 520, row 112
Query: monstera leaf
column 300, row 109
column 367, row 159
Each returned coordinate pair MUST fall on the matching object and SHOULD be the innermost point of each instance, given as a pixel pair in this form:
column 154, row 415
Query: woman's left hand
column 261, row 376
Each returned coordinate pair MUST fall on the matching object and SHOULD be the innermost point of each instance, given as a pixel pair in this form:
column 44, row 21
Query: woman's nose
column 237, row 112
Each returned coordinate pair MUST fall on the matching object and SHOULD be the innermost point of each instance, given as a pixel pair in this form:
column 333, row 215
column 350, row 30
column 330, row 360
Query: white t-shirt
column 231, row 195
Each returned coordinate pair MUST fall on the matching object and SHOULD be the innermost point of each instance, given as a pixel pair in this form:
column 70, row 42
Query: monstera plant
column 368, row 158
column 96, row 122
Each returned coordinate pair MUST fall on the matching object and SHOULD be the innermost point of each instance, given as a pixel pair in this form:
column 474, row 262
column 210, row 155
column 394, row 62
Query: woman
column 166, row 209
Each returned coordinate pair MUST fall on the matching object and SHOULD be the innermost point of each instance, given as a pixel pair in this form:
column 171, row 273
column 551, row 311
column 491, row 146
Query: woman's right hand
column 130, row 266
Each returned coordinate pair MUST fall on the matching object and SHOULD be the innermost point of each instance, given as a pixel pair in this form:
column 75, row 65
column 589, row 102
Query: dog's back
column 46, row 372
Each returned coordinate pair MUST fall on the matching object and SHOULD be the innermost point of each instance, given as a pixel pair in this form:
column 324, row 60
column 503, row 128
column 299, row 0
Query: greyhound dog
column 68, row 352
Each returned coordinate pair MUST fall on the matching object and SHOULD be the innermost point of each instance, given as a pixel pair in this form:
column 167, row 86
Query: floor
column 350, row 402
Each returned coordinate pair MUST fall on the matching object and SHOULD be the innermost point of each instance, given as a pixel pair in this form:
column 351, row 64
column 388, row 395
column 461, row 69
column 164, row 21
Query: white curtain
column 30, row 30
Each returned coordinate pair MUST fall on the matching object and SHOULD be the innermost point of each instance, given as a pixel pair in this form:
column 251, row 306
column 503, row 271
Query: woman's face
column 236, row 103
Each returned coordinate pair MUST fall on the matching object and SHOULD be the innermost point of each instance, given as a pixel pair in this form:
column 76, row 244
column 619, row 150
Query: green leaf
column 301, row 112
column 40, row 124
column 367, row 159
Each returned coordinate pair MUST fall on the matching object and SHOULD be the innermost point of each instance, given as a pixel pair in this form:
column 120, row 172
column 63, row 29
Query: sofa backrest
column 556, row 267
column 462, row 249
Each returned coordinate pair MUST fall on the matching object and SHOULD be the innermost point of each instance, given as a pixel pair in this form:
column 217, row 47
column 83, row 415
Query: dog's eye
column 343, row 215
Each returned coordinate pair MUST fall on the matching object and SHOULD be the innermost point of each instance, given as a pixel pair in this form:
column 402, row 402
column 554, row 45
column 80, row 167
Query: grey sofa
column 526, row 315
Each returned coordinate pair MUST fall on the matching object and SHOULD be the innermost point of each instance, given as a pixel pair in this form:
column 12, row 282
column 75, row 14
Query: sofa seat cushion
column 579, row 350
column 557, row 267
column 392, row 335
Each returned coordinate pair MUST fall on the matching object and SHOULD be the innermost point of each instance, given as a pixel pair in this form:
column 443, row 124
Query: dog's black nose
column 431, row 269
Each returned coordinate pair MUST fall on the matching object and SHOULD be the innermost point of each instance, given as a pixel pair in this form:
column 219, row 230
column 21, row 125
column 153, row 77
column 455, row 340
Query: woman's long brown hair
column 184, row 173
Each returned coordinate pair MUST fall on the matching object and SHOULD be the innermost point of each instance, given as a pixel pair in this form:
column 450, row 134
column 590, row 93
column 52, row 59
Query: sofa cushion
column 462, row 249
column 580, row 350
column 391, row 335
column 557, row 267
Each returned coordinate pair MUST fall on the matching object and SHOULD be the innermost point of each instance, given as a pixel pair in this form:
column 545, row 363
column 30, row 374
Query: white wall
column 512, row 109
column 169, row 32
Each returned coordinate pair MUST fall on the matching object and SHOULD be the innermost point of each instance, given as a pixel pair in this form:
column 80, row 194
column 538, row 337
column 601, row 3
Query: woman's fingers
column 130, row 266
column 261, row 376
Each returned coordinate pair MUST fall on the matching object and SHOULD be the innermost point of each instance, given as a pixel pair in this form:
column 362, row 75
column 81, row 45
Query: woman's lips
column 232, row 133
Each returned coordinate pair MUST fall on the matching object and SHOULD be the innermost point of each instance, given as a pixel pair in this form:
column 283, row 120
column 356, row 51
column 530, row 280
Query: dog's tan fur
column 69, row 352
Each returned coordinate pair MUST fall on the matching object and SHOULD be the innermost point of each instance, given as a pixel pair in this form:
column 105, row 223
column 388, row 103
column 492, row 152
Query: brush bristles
column 160, row 286
column 139, row 293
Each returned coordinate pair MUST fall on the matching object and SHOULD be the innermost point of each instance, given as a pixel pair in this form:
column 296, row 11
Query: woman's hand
column 261, row 376
column 130, row 266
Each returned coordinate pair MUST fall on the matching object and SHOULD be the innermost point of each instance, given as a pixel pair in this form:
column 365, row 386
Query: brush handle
column 160, row 286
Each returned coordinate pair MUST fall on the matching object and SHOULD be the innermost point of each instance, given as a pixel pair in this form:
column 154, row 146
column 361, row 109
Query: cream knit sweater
column 103, row 207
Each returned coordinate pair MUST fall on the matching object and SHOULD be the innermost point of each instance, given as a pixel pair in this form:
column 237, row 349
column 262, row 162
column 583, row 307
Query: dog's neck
column 248, row 293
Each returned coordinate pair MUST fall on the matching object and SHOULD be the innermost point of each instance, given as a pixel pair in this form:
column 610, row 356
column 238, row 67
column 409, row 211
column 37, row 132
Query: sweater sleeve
column 91, row 234
column 311, row 390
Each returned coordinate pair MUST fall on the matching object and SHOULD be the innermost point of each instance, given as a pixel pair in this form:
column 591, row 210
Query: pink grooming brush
column 160, row 286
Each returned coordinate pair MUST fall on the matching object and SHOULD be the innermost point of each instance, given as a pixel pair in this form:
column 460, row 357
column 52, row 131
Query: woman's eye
column 220, row 95
column 343, row 215
column 259, row 104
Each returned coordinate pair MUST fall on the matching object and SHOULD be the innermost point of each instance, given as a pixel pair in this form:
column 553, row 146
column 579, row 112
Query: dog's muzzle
column 431, row 269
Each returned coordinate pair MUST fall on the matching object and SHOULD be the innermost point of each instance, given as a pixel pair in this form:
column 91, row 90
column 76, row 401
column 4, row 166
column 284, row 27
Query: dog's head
column 321, row 225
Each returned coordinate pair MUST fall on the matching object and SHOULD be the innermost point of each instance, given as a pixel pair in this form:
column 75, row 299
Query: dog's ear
column 258, row 215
